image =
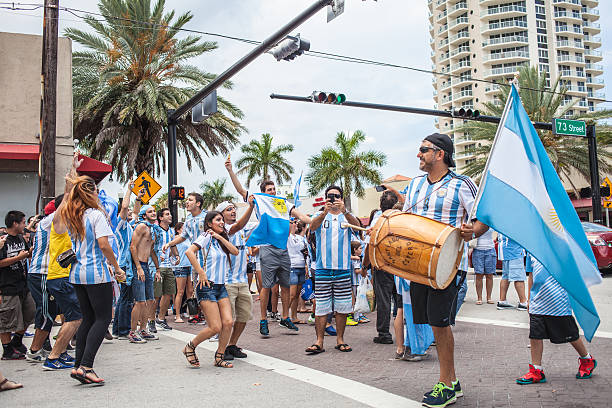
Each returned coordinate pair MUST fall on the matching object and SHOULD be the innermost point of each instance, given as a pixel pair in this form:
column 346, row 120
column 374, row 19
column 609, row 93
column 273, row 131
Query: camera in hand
column 333, row 197
column 66, row 258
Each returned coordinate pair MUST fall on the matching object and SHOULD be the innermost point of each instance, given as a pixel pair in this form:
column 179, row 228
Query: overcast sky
column 391, row 31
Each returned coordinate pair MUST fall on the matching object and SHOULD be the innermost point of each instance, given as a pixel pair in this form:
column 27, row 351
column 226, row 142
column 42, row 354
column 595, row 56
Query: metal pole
column 172, row 166
column 607, row 217
column 594, row 168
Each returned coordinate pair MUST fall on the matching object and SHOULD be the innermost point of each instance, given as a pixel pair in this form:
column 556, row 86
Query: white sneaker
column 214, row 338
column 504, row 305
column 522, row 306
column 311, row 319
column 39, row 357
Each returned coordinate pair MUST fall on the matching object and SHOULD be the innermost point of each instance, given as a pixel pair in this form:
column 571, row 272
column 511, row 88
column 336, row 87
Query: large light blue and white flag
column 296, row 192
column 273, row 215
column 522, row 197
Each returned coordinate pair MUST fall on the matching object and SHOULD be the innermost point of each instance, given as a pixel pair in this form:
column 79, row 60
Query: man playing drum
column 445, row 196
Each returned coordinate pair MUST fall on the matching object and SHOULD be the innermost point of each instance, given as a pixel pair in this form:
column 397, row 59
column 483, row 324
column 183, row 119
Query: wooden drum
column 416, row 248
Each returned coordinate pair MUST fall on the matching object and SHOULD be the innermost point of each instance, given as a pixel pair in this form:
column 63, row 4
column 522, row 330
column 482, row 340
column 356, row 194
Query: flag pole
column 502, row 120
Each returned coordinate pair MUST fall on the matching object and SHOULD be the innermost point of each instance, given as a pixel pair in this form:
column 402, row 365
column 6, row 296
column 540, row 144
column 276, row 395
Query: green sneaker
column 440, row 396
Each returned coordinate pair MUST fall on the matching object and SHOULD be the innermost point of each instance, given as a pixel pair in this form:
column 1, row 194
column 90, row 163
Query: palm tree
column 214, row 193
column 344, row 165
column 567, row 154
column 132, row 71
column 263, row 160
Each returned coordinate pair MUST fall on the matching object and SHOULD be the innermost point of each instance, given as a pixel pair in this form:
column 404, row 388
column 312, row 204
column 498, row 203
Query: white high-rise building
column 489, row 39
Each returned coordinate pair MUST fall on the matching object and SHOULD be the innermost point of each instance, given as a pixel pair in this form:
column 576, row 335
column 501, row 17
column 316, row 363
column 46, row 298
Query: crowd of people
column 80, row 264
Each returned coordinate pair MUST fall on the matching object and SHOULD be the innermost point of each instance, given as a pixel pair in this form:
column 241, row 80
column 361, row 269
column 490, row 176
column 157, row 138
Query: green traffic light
column 341, row 98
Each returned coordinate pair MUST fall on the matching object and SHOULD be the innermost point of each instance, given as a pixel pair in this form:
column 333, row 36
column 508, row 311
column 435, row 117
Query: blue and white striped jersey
column 90, row 267
column 238, row 268
column 183, row 260
column 217, row 262
column 123, row 236
column 162, row 237
column 508, row 249
column 333, row 243
column 194, row 226
column 547, row 296
column 449, row 200
column 40, row 252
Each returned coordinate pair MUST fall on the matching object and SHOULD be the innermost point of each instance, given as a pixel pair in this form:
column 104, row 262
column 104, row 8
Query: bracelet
column 473, row 235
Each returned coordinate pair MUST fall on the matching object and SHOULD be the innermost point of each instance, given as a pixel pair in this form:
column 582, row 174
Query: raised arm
column 300, row 216
column 237, row 226
column 125, row 203
column 318, row 220
column 241, row 190
column 400, row 196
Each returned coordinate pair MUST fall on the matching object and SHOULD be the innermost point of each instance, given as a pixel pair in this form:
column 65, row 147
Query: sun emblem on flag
column 280, row 206
column 554, row 220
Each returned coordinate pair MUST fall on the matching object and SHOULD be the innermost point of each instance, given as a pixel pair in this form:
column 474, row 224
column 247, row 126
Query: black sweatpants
column 96, row 303
column 384, row 290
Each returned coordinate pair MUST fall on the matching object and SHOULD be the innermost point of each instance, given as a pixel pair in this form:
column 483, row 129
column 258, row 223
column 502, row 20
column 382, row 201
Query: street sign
column 568, row 127
column 607, row 183
column 335, row 9
column 607, row 204
column 148, row 183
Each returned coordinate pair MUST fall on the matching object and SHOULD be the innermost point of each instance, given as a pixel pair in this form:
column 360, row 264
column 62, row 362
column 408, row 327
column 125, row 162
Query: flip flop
column 479, row 302
column 345, row 348
column 315, row 349
column 490, row 302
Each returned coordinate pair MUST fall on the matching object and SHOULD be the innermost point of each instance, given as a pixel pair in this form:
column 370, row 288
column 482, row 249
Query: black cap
column 445, row 143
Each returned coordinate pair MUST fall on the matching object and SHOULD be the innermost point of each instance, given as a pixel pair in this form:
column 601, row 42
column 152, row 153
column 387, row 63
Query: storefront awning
column 94, row 168
column 19, row 151
column 583, row 203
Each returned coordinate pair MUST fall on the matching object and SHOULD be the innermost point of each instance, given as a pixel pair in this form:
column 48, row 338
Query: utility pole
column 594, row 170
column 49, row 101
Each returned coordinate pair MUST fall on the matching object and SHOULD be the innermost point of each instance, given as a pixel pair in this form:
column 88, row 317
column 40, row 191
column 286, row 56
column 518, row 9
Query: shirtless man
column 142, row 249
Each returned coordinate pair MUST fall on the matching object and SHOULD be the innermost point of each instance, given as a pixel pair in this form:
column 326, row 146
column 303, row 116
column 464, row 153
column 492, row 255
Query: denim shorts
column 212, row 294
column 298, row 276
column 182, row 272
column 142, row 291
column 64, row 294
column 484, row 261
column 514, row 270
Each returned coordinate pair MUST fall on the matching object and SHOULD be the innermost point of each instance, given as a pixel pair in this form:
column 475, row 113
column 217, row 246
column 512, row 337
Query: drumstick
column 347, row 225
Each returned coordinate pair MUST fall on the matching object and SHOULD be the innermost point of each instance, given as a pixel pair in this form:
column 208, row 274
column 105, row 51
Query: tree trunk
column 347, row 194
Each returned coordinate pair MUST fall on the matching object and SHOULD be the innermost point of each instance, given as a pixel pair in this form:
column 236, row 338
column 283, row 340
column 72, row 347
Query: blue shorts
column 298, row 276
column 514, row 270
column 64, row 294
column 333, row 291
column 46, row 309
column 182, row 272
column 484, row 261
column 212, row 294
column 142, row 291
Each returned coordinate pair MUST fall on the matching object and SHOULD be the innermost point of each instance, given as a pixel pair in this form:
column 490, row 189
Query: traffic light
column 332, row 98
column 205, row 109
column 587, row 192
column 466, row 113
column 290, row 47
column 177, row 193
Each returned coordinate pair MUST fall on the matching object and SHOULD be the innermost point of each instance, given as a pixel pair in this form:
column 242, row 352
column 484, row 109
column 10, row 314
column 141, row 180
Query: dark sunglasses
column 333, row 196
column 425, row 149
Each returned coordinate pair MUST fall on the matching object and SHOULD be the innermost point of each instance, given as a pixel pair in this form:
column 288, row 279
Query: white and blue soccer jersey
column 162, row 237
column 547, row 296
column 90, row 267
column 333, row 243
column 508, row 249
column 40, row 249
column 238, row 268
column 194, row 226
column 123, row 236
column 217, row 262
column 183, row 260
column 450, row 200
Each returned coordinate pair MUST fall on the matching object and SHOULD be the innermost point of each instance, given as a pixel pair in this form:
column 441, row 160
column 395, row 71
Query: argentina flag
column 273, row 228
column 522, row 197
column 296, row 192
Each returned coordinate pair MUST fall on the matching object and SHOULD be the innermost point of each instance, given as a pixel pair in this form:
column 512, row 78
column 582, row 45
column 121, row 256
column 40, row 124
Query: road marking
column 517, row 325
column 366, row 394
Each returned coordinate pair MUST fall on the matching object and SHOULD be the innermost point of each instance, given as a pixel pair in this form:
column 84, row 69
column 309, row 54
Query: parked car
column 600, row 238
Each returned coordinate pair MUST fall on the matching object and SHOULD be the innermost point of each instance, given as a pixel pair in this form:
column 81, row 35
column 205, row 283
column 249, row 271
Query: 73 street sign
column 568, row 127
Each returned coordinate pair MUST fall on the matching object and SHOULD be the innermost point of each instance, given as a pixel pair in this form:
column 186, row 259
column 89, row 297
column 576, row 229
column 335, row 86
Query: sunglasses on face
column 333, row 197
column 425, row 149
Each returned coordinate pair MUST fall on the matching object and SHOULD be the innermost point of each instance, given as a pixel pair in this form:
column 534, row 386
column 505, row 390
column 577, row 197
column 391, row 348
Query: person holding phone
column 216, row 249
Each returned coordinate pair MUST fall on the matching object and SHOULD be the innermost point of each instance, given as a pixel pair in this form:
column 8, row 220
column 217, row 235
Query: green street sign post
column 568, row 127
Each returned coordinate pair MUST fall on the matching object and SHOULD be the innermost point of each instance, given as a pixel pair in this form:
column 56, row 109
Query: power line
column 318, row 54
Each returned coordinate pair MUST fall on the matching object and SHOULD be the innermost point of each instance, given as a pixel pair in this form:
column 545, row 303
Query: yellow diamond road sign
column 608, row 183
column 148, row 184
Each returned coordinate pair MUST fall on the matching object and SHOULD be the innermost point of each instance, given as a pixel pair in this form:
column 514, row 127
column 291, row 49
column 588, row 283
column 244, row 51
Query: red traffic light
column 177, row 193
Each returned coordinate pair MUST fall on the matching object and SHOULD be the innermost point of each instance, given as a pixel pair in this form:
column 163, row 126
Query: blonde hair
column 82, row 197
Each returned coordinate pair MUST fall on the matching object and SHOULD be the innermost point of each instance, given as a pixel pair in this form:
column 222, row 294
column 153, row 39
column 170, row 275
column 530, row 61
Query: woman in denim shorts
column 182, row 273
column 210, row 288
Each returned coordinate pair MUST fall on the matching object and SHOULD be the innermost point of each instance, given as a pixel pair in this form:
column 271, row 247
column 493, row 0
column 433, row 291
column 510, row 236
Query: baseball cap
column 445, row 143
column 223, row 206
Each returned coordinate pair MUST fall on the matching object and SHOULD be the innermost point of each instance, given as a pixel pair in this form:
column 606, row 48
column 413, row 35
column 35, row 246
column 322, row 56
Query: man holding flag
column 520, row 170
column 271, row 234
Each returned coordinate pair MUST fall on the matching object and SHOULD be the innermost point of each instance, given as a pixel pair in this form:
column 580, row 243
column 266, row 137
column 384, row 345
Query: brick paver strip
column 488, row 360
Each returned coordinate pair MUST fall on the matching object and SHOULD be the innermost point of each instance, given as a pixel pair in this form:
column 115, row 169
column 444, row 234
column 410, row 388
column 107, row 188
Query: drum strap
column 463, row 276
column 429, row 195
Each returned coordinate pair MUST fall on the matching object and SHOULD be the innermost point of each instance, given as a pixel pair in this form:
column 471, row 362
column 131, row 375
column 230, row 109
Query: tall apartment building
column 490, row 39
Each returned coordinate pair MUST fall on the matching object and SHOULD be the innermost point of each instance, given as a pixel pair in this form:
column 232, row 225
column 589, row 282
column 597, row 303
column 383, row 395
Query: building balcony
column 445, row 86
column 440, row 17
column 495, row 72
column 462, row 95
column 568, row 16
column 591, row 27
column 569, row 74
column 491, row 2
column 443, row 28
column 596, row 95
column 460, row 52
column 459, row 37
column 445, row 100
column 460, row 67
column 590, row 13
column 509, row 56
column 440, row 4
column 565, row 29
column 443, row 44
column 595, row 83
column 465, row 155
column 460, row 140
column 503, row 12
column 457, row 9
column 576, row 89
column 594, row 55
column 592, row 41
column 444, row 58
column 491, row 89
column 570, row 45
column 570, row 59
column 502, row 26
column 461, row 81
column 459, row 23
column 567, row 3
column 596, row 69
column 505, row 41
column 590, row 3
